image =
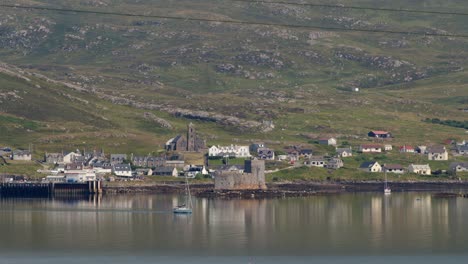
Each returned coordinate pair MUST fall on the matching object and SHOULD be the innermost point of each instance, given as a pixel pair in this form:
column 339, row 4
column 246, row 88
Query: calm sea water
column 344, row 228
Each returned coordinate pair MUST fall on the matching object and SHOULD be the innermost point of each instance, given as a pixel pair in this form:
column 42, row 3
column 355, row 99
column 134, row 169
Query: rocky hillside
column 240, row 77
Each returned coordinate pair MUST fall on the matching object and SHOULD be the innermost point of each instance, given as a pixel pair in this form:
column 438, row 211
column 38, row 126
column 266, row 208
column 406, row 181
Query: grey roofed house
column 53, row 158
column 118, row 158
column 165, row 171
column 306, row 152
column 316, row 161
column 102, row 164
column 458, row 166
column 367, row 164
column 436, row 149
column 462, row 150
column 266, row 153
column 21, row 155
column 335, row 163
column 395, row 168
column 344, row 152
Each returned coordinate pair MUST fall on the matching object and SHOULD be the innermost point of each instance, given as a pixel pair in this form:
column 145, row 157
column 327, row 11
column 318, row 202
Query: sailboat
column 185, row 208
column 387, row 189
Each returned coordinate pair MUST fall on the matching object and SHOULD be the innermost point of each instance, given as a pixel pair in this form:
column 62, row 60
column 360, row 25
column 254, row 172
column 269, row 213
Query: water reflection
column 363, row 223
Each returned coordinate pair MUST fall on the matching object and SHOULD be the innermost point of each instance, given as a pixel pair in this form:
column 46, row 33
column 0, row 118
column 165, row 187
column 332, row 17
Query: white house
column 437, row 153
column 344, row 152
column 316, row 162
column 70, row 157
column 192, row 170
column 459, row 166
column 423, row 169
column 229, row 151
column 122, row 170
column 370, row 148
column 371, row 166
column 23, row 155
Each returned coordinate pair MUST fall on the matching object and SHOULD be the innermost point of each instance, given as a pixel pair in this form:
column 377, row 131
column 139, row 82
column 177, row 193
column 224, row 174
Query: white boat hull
column 182, row 210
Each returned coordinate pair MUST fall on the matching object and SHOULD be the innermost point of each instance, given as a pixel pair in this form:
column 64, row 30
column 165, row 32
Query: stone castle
column 253, row 177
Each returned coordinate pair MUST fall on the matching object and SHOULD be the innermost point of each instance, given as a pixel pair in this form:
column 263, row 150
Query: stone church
column 191, row 142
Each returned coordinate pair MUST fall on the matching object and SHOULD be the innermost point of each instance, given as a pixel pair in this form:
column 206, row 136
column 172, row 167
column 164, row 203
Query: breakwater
column 49, row 189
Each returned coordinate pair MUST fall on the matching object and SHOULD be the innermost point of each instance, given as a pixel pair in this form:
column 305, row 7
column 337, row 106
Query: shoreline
column 295, row 189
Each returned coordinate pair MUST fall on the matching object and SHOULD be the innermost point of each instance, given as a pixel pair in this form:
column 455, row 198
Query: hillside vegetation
column 76, row 80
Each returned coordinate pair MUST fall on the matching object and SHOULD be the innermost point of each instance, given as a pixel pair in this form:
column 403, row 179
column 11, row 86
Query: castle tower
column 191, row 137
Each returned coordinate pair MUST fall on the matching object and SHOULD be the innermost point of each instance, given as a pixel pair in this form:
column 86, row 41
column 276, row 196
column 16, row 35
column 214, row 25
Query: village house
column 165, row 171
column 265, row 154
column 148, row 161
column 193, row 170
column 122, row 170
column 74, row 166
column 102, row 167
column 388, row 147
column 118, row 158
column 306, row 153
column 462, row 149
column 406, row 149
column 5, row 151
column 370, row 148
column 371, row 166
column 379, row 134
column 316, row 161
column 23, row 155
column 327, row 141
column 344, row 152
column 53, row 158
column 254, row 147
column 229, row 151
column 423, row 169
column 421, row 149
column 70, row 157
column 437, row 153
column 393, row 168
column 334, row 163
column 459, row 167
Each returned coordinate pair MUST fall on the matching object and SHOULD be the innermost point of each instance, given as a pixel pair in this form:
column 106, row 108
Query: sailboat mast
column 187, row 189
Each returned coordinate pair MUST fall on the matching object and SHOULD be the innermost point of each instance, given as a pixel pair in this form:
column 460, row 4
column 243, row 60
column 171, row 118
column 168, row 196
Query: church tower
column 191, row 137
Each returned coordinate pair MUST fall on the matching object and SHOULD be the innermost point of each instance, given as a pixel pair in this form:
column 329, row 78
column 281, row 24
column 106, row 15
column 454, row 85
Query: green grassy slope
column 299, row 78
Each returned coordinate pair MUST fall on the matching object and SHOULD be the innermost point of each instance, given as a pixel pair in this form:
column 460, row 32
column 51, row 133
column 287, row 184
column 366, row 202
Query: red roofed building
column 406, row 149
column 379, row 134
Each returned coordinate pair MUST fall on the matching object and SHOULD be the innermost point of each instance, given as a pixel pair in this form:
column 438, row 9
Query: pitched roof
column 406, row 147
column 393, row 166
column 122, row 167
column 436, row 149
column 367, row 164
column 341, row 150
column 371, row 146
column 420, row 166
column 379, row 132
column 163, row 170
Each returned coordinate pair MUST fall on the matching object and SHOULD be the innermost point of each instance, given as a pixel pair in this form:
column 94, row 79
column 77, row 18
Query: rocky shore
column 296, row 189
